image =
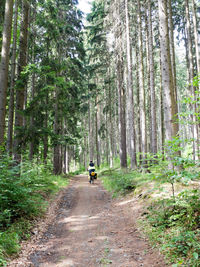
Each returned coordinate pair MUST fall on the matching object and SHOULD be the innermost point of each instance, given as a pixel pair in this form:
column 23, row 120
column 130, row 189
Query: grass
column 105, row 261
column 121, row 182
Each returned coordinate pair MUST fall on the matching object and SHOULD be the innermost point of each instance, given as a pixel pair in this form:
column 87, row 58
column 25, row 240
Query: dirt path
column 88, row 229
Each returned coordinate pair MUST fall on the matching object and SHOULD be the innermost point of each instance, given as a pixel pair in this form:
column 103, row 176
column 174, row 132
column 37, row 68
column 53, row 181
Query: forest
column 119, row 86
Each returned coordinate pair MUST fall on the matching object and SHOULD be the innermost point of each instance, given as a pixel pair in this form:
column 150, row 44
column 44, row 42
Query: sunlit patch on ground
column 102, row 237
column 62, row 263
column 125, row 202
column 77, row 219
column 82, row 227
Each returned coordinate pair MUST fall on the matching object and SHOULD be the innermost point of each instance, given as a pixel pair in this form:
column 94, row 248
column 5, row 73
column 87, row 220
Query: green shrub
column 17, row 193
column 10, row 239
column 9, row 242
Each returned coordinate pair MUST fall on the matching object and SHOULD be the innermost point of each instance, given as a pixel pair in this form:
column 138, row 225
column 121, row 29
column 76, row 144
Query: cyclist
column 91, row 168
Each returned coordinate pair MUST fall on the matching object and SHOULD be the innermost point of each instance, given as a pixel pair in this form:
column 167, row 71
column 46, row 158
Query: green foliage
column 175, row 226
column 24, row 191
column 10, row 239
column 196, row 81
column 56, row 41
column 17, row 193
column 9, row 242
column 176, row 168
column 118, row 181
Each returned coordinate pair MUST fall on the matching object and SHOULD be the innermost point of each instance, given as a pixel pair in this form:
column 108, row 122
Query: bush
column 18, row 193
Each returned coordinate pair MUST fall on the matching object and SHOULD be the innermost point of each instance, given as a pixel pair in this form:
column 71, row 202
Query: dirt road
column 89, row 229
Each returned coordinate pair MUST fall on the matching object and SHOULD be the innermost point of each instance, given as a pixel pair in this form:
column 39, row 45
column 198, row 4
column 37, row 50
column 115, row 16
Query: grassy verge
column 174, row 227
column 24, row 195
column 121, row 182
column 171, row 221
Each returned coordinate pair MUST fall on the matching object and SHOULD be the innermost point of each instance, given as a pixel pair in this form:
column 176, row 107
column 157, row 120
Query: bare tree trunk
column 148, row 86
column 85, row 152
column 172, row 49
column 12, row 83
column 61, row 150
column 45, row 137
column 31, row 145
column 141, row 85
column 97, row 132
column 191, row 76
column 56, row 147
column 191, row 130
column 121, row 113
column 107, row 144
column 65, row 160
column 196, row 35
column 130, row 100
column 91, row 143
column 162, row 117
column 20, row 92
column 167, row 79
column 4, row 64
column 152, row 84
column 138, row 108
column 111, row 127
column 33, row 89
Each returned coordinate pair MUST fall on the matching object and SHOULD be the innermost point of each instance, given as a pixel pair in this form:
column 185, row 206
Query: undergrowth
column 175, row 227
column 24, row 191
column 121, row 182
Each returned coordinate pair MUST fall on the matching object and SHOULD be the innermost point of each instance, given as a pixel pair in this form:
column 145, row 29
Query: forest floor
column 85, row 227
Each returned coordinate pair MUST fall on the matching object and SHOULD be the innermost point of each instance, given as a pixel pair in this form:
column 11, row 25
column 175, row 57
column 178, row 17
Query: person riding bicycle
column 91, row 169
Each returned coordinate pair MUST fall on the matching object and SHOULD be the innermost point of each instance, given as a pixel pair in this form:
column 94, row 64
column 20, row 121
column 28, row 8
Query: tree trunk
column 196, row 35
column 7, row 28
column 12, row 83
column 152, row 84
column 162, row 117
column 130, row 100
column 148, row 86
column 141, row 91
column 85, row 151
column 45, row 137
column 121, row 113
column 33, row 80
column 138, row 108
column 56, row 147
column 91, row 143
column 20, row 92
column 65, row 160
column 97, row 132
column 169, row 99
column 191, row 76
column 111, row 127
column 172, row 49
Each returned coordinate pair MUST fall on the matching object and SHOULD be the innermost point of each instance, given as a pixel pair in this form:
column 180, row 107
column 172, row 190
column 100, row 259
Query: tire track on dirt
column 89, row 229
